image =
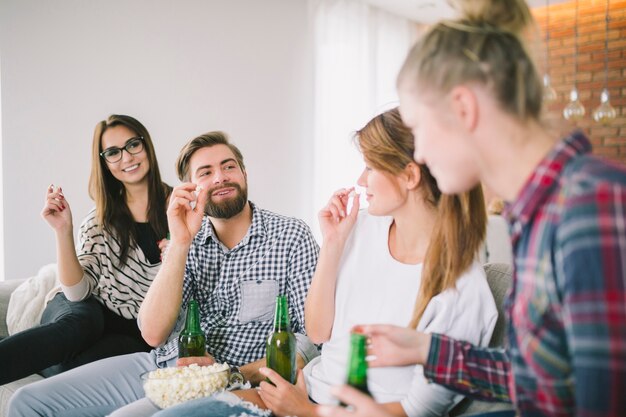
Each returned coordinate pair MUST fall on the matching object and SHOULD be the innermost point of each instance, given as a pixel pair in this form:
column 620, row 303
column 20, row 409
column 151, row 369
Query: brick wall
column 609, row 141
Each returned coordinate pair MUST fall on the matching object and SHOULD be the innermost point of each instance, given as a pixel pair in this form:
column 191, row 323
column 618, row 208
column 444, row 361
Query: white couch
column 498, row 276
column 7, row 390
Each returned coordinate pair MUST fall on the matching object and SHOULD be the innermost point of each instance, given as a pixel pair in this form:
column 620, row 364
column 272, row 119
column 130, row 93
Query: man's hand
column 283, row 398
column 185, row 212
column 199, row 360
column 363, row 406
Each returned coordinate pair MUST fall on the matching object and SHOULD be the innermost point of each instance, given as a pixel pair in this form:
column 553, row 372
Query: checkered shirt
column 237, row 288
column 566, row 311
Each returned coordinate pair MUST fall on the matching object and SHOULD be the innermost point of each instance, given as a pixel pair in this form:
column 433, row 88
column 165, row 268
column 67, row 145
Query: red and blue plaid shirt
column 566, row 310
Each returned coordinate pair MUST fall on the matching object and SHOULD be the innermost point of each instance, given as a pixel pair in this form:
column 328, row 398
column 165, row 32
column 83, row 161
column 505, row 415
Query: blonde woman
column 471, row 94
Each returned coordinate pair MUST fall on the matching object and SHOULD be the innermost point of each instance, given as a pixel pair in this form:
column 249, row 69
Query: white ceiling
column 422, row 11
column 428, row 11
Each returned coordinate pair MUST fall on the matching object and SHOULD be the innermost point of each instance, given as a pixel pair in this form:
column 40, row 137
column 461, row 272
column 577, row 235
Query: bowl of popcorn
column 170, row 386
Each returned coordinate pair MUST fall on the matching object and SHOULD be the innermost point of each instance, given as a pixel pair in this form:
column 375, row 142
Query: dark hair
column 204, row 141
column 388, row 145
column 107, row 191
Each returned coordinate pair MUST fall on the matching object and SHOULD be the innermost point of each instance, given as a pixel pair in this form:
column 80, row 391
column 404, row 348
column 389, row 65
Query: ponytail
column 458, row 235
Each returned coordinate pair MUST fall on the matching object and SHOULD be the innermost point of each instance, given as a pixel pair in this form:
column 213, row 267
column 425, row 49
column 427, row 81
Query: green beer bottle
column 191, row 341
column 281, row 344
column 357, row 367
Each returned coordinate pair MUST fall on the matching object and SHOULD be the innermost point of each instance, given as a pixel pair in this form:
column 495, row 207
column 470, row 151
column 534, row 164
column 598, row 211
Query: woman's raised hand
column 56, row 210
column 185, row 212
column 335, row 221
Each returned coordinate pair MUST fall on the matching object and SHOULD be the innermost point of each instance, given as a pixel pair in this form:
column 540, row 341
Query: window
column 359, row 50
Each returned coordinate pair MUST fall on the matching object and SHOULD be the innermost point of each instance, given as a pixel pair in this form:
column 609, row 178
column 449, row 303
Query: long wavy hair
column 460, row 227
column 107, row 192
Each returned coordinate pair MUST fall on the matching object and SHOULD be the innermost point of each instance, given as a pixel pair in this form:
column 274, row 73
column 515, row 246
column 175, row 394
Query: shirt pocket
column 257, row 300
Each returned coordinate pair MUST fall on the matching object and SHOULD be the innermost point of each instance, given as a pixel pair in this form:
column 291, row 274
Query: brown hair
column 388, row 145
column 107, row 191
column 204, row 141
column 458, row 235
column 484, row 47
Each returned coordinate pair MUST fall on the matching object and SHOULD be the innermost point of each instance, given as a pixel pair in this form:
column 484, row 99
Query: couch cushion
column 7, row 390
column 6, row 288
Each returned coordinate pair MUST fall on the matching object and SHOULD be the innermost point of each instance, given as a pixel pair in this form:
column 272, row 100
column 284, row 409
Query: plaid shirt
column 237, row 288
column 567, row 307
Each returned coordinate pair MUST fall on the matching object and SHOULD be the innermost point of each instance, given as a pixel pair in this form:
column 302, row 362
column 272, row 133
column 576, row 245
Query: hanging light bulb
column 605, row 113
column 574, row 109
column 549, row 95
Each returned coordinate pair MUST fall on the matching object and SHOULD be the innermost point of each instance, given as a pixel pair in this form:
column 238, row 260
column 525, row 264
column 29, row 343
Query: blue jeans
column 70, row 334
column 93, row 390
column 214, row 407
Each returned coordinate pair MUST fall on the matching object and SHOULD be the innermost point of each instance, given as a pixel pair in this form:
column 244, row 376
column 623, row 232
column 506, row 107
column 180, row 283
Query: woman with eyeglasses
column 104, row 277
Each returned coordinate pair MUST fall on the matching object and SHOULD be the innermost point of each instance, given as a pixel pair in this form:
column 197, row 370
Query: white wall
column 181, row 67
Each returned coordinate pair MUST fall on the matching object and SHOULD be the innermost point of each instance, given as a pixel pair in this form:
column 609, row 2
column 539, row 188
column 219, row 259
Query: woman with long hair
column 105, row 277
column 470, row 92
column 409, row 259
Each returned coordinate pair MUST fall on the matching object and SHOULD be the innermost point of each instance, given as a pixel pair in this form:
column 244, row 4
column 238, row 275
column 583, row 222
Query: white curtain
column 358, row 52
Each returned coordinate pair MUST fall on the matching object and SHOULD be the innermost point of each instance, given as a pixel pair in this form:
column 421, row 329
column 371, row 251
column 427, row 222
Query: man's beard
column 227, row 208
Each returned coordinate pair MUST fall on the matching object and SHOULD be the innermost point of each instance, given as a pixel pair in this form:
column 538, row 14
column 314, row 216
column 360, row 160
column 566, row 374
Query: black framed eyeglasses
column 114, row 154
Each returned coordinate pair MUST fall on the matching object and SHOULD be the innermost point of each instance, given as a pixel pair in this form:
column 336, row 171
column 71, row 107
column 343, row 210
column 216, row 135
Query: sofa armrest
column 6, row 288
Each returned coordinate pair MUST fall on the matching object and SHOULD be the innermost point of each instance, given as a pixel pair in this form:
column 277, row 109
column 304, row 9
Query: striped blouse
column 121, row 288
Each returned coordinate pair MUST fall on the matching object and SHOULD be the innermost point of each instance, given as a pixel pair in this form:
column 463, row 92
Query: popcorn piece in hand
column 351, row 197
column 195, row 192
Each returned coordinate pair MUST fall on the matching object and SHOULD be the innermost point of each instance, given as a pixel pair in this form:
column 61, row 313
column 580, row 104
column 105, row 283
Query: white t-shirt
column 372, row 287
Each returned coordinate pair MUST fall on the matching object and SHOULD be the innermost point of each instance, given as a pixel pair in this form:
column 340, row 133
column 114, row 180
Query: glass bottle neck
column 357, row 370
column 192, row 324
column 281, row 315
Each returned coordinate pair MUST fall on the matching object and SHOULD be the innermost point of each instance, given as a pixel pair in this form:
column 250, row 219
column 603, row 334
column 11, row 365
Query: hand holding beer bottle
column 357, row 367
column 191, row 341
column 281, row 344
